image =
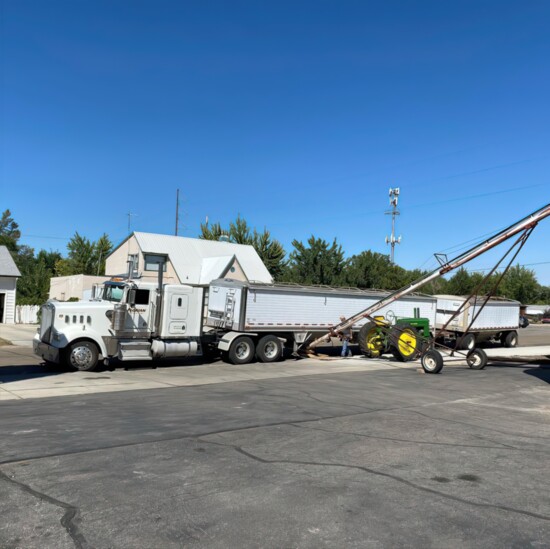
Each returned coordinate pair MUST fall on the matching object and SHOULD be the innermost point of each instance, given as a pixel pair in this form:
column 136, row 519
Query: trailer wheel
column 432, row 362
column 269, row 349
column 509, row 339
column 405, row 343
column 241, row 350
column 477, row 359
column 468, row 342
column 372, row 340
column 83, row 356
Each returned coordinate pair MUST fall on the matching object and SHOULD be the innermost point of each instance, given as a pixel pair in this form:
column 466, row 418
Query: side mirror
column 131, row 297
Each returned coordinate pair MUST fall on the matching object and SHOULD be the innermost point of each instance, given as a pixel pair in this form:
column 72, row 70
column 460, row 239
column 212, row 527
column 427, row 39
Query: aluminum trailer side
column 498, row 319
column 295, row 312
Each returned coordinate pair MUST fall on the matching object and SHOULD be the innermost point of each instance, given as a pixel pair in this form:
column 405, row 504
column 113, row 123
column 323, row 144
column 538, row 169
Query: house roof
column 198, row 261
column 7, row 264
column 215, row 267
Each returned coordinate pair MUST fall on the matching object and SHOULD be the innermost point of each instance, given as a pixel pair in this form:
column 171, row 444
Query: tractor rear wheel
column 405, row 342
column 372, row 340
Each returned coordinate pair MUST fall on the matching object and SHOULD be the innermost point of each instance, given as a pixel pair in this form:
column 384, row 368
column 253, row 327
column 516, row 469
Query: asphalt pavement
column 381, row 458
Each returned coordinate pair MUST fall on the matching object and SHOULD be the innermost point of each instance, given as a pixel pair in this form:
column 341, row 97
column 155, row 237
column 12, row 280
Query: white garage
column 9, row 273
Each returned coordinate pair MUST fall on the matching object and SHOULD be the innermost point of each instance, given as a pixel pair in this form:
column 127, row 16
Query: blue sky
column 297, row 115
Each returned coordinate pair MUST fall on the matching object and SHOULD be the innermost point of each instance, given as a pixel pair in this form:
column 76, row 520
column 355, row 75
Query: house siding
column 116, row 264
column 8, row 286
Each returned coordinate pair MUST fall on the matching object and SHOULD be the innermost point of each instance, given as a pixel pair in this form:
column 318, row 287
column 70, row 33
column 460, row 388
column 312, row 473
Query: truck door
column 139, row 316
column 178, row 312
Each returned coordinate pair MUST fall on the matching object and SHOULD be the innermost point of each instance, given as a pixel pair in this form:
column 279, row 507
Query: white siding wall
column 7, row 287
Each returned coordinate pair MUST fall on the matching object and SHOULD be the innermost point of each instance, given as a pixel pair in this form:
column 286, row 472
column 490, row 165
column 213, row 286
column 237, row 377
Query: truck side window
column 142, row 297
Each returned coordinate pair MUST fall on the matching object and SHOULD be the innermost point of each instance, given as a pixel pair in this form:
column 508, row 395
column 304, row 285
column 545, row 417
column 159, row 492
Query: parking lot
column 310, row 453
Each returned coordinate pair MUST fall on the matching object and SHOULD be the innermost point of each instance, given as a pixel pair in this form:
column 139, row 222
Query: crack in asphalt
column 194, row 436
column 452, row 444
column 484, row 427
column 374, row 472
column 69, row 518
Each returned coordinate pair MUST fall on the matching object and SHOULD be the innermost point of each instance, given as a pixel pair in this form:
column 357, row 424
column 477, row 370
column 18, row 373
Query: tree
column 271, row 251
column 84, row 256
column 318, row 262
column 521, row 284
column 374, row 270
column 9, row 231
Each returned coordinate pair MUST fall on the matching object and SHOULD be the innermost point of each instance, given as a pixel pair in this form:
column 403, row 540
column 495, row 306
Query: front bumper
column 45, row 351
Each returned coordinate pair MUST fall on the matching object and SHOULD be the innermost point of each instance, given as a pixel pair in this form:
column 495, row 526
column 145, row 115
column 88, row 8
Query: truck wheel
column 509, row 339
column 477, row 359
column 269, row 349
column 432, row 362
column 372, row 340
column 468, row 342
column 405, row 342
column 241, row 350
column 83, row 356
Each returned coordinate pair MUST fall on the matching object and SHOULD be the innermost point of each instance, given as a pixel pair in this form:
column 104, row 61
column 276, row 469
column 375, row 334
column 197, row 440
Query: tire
column 83, row 356
column 269, row 349
column 372, row 340
column 477, row 359
column 242, row 350
column 405, row 342
column 468, row 342
column 432, row 362
column 509, row 339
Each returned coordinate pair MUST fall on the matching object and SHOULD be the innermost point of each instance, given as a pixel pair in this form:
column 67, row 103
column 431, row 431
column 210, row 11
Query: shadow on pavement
column 542, row 373
column 20, row 372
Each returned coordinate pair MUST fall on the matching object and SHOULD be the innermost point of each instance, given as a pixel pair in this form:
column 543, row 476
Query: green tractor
column 405, row 339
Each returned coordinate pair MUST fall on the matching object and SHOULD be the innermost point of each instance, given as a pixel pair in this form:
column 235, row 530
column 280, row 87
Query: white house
column 9, row 273
column 186, row 260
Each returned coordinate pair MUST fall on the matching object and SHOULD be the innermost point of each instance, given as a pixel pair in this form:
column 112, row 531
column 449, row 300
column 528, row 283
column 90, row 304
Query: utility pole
column 129, row 214
column 177, row 210
column 394, row 196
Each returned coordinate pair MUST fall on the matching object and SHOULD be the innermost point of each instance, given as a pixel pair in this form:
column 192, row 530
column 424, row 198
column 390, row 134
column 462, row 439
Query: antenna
column 130, row 215
column 177, row 210
column 394, row 197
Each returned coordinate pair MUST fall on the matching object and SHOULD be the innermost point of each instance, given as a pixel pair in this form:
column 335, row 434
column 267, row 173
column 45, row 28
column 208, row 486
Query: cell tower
column 391, row 240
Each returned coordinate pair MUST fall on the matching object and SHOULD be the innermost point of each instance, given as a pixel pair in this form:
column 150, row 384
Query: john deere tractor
column 405, row 339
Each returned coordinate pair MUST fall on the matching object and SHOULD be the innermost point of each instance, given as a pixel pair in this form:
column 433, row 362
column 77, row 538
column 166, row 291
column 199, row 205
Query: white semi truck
column 131, row 320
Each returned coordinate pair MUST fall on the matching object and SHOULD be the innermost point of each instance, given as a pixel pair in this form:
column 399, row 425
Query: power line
column 524, row 265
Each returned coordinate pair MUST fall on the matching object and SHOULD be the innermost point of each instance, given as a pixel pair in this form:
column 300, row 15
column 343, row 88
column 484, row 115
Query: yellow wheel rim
column 407, row 342
column 375, row 343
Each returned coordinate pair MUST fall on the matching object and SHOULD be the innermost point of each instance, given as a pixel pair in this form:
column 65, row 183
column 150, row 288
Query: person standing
column 346, row 335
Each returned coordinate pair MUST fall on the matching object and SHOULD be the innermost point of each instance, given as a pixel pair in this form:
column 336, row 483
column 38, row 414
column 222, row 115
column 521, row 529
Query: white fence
column 26, row 314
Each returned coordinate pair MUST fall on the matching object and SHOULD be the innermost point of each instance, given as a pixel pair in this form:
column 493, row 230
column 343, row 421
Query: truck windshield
column 112, row 292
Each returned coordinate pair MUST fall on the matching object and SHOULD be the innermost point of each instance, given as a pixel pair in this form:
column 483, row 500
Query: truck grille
column 46, row 322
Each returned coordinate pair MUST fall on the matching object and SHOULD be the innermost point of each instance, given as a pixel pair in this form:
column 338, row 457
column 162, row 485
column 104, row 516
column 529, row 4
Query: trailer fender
column 229, row 337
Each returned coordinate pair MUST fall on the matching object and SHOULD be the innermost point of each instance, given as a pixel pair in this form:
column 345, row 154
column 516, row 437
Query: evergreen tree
column 270, row 251
column 318, row 262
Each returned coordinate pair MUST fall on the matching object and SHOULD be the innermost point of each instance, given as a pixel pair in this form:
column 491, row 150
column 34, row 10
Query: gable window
column 153, row 261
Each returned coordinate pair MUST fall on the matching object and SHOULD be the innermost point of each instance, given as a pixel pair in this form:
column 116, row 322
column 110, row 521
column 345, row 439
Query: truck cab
column 125, row 319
